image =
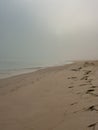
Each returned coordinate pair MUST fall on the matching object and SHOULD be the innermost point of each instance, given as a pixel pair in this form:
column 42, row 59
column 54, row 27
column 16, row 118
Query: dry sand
column 55, row 98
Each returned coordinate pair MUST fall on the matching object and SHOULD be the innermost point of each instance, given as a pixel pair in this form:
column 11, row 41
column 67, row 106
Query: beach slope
column 55, row 98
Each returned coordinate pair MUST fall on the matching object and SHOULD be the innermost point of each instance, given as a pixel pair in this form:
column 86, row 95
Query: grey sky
column 42, row 29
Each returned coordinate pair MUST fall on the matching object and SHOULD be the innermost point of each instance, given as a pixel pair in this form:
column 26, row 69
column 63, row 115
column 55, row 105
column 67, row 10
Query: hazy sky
column 46, row 29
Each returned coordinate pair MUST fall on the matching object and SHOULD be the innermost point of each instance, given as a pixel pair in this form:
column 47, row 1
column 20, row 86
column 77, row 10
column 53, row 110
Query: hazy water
column 10, row 68
column 21, row 64
column 13, row 65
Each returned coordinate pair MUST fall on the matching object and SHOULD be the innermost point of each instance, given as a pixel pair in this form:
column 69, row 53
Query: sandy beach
column 56, row 98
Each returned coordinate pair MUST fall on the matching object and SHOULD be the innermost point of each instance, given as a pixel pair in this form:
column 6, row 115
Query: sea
column 9, row 68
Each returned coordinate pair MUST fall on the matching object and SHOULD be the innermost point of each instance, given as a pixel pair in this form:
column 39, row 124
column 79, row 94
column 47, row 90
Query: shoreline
column 4, row 74
column 11, row 73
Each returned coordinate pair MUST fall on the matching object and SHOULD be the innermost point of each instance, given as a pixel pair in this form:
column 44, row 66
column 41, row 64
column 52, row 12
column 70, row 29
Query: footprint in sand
column 88, row 72
column 85, row 78
column 93, row 126
column 70, row 86
column 93, row 87
column 86, row 64
column 90, row 90
column 92, row 108
column 90, row 81
column 72, row 78
column 78, row 69
column 74, row 103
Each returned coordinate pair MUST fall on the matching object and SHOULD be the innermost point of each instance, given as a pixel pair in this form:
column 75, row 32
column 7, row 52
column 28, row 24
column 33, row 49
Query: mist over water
column 47, row 32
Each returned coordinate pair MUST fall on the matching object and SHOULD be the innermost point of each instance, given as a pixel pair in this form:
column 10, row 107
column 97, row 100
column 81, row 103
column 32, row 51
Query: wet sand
column 55, row 98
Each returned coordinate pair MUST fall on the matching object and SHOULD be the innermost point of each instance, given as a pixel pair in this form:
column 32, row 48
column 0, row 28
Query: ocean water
column 9, row 68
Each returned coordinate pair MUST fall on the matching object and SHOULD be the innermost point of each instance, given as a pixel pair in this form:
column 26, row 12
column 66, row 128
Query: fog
column 48, row 30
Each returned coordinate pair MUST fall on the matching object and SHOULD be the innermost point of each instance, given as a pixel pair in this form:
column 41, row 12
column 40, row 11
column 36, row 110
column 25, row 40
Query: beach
column 55, row 98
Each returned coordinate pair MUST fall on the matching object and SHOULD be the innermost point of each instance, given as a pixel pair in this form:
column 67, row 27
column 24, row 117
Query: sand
column 55, row 98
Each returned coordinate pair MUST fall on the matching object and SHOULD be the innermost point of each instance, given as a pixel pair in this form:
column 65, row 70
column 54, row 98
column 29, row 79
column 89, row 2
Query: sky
column 48, row 30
